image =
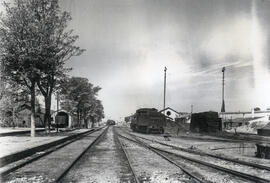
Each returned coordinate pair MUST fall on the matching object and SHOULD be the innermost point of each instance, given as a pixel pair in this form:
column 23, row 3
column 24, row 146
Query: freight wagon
column 205, row 122
column 110, row 122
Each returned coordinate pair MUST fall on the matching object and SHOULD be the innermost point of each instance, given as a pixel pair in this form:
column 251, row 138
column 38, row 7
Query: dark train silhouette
column 61, row 120
column 205, row 122
column 110, row 122
column 148, row 120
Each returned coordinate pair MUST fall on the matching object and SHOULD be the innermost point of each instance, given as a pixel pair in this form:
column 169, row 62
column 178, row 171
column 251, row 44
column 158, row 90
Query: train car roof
column 146, row 109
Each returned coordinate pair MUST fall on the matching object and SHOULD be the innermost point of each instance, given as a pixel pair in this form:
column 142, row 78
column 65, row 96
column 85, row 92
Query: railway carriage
column 148, row 120
column 61, row 119
column 110, row 122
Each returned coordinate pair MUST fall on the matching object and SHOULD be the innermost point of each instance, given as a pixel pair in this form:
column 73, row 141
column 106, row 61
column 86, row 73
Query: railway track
column 254, row 165
column 84, row 164
column 136, row 180
column 61, row 176
column 229, row 139
column 50, row 158
column 192, row 175
column 169, row 154
column 21, row 163
column 18, row 157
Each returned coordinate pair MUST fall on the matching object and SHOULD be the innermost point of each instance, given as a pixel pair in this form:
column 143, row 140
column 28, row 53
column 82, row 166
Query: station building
column 23, row 118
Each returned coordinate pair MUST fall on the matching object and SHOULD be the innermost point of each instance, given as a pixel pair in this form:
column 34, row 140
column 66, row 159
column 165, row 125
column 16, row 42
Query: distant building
column 24, row 116
column 233, row 123
column 175, row 115
column 244, row 114
column 182, row 120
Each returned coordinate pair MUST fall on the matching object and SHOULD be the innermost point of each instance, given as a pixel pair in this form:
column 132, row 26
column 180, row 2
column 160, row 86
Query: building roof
column 28, row 107
column 240, row 120
column 169, row 108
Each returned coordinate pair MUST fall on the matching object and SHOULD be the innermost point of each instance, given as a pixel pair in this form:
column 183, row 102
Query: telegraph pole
column 223, row 84
column 164, row 101
column 57, row 110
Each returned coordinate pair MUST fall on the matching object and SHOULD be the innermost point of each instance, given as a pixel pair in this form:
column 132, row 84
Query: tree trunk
column 33, row 108
column 78, row 118
column 93, row 121
column 47, row 116
column 85, row 123
column 13, row 116
column 47, row 94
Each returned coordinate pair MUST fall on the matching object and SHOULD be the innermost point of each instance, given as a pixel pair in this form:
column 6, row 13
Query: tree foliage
column 11, row 102
column 58, row 48
column 80, row 98
column 35, row 45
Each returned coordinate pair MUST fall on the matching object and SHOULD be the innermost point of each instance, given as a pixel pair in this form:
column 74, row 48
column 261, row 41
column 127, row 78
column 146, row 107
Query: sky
column 129, row 42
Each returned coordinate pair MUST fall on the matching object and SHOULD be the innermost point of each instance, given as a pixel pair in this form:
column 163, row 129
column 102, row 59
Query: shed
column 265, row 131
column 62, row 118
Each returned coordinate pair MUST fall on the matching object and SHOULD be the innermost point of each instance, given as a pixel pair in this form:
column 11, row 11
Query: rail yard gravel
column 104, row 162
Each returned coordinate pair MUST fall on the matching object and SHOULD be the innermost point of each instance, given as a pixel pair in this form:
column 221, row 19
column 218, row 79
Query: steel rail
column 60, row 177
column 127, row 156
column 35, row 157
column 185, row 170
column 258, row 166
column 233, row 172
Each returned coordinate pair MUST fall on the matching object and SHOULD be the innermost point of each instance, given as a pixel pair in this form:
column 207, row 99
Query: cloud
column 230, row 38
column 130, row 42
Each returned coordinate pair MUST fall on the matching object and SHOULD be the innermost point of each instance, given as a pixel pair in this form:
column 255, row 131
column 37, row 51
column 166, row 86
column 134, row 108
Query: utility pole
column 223, row 84
column 191, row 111
column 57, row 110
column 164, row 101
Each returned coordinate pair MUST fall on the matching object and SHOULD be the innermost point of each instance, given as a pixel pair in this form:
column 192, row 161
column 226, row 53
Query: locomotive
column 148, row 120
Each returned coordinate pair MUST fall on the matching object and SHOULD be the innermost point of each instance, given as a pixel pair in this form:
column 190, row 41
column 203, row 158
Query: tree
column 96, row 112
column 35, row 46
column 3, row 83
column 57, row 45
column 3, row 87
column 80, row 99
column 20, row 47
column 13, row 98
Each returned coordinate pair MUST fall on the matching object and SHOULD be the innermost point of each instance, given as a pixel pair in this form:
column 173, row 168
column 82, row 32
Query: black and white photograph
column 135, row 91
